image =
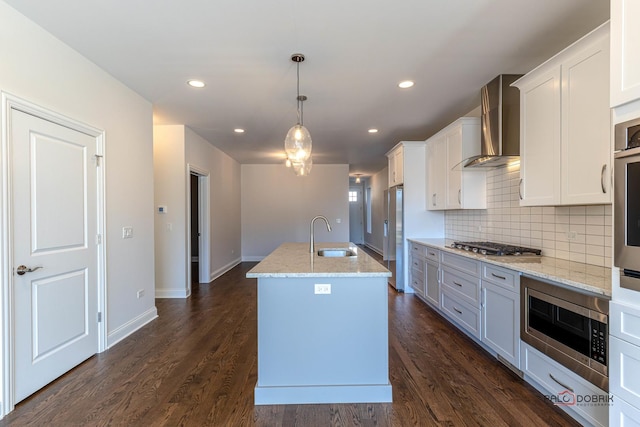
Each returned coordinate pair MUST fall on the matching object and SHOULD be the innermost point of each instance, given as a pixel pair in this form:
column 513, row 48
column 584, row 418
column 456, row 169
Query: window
column 353, row 196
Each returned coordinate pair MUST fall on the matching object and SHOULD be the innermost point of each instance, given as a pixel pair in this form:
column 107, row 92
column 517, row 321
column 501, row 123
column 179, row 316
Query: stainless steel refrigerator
column 393, row 251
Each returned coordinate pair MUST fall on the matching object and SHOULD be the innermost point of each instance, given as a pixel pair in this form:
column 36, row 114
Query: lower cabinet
column 624, row 364
column 501, row 312
column 483, row 300
column 417, row 265
column 460, row 292
column 582, row 400
column 432, row 285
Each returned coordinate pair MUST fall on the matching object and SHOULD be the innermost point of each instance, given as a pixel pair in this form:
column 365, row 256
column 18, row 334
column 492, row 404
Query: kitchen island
column 322, row 327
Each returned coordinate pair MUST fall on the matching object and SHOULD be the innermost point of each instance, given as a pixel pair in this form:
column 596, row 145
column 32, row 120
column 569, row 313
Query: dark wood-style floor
column 196, row 365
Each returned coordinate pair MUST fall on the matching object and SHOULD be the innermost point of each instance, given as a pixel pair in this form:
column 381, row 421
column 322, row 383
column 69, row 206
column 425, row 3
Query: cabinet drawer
column 433, row 254
column 624, row 322
column 466, row 286
column 418, row 250
column 624, row 365
column 417, row 263
column 465, row 316
column 556, row 379
column 417, row 281
column 467, row 265
column 503, row 277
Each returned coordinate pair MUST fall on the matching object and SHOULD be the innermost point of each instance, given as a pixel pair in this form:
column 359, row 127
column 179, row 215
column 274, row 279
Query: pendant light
column 297, row 143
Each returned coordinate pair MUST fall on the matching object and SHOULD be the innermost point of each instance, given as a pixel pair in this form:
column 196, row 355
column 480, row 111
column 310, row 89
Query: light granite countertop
column 294, row 260
column 586, row 277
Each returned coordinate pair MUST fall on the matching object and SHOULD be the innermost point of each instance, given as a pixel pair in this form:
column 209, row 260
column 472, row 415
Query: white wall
column 39, row 68
column 277, row 206
column 378, row 183
column 176, row 149
column 170, row 177
column 224, row 196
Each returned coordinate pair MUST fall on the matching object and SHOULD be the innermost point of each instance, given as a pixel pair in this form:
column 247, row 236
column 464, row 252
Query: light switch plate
column 127, row 232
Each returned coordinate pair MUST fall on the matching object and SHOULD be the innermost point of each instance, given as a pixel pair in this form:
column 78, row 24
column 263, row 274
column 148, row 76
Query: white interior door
column 55, row 227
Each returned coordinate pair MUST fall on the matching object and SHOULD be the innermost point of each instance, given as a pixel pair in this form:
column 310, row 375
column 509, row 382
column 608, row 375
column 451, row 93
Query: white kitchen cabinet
column 573, row 393
column 624, row 362
column 450, row 185
column 460, row 292
column 432, row 277
column 417, row 268
column 436, row 172
column 565, row 126
column 501, row 312
column 625, row 51
column 396, row 166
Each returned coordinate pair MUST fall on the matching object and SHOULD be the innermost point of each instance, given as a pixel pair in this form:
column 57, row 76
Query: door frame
column 9, row 104
column 204, row 212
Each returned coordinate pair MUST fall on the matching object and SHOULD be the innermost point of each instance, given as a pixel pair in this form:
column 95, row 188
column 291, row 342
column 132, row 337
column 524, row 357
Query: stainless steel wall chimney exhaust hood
column 500, row 140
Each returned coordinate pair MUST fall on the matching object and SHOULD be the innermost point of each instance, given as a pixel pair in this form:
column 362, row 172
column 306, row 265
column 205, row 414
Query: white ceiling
column 356, row 53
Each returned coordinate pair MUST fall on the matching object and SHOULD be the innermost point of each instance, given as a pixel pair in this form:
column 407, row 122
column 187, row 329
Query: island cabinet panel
column 328, row 347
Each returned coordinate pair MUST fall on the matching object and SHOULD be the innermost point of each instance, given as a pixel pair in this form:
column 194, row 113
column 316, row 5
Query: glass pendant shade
column 297, row 144
column 303, row 168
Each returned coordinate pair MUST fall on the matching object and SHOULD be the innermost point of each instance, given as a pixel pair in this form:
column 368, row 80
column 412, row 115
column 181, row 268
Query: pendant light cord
column 300, row 104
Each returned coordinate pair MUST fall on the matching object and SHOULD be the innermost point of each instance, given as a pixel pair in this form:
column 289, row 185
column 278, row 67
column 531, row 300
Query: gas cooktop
column 492, row 248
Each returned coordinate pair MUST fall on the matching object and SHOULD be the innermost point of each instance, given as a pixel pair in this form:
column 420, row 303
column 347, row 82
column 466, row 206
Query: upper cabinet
column 396, row 166
column 449, row 185
column 625, row 51
column 565, row 125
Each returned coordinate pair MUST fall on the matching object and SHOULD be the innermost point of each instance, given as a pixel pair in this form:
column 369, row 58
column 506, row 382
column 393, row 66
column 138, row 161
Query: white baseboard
column 172, row 293
column 252, row 258
column 130, row 327
column 373, row 248
column 219, row 272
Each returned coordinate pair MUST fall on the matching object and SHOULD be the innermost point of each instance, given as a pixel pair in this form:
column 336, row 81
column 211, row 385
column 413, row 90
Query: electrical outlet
column 322, row 289
column 571, row 235
column 140, row 293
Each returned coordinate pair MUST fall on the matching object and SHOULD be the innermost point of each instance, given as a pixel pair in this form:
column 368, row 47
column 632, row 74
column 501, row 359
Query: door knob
column 24, row 269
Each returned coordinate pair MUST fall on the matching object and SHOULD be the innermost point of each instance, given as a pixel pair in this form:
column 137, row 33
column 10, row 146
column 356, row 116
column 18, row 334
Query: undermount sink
column 337, row 253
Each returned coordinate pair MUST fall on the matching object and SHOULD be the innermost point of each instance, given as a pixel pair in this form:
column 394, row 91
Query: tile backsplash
column 576, row 233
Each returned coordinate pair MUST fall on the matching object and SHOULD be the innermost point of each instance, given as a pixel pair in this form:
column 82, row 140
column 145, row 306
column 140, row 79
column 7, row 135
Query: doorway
column 356, row 214
column 198, row 253
column 53, row 284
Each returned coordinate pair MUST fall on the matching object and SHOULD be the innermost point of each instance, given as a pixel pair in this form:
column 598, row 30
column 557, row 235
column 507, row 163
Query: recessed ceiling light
column 405, row 84
column 373, row 131
column 238, row 130
column 196, row 83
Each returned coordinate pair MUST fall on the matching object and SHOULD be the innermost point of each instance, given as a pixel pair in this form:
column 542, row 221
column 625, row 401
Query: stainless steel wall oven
column 626, row 206
column 569, row 326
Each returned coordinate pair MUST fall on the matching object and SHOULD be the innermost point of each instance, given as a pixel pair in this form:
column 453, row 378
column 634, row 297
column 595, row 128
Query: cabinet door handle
column 460, row 196
column 460, row 312
column 520, row 189
column 433, row 199
column 559, row 382
column 432, row 253
column 499, row 277
column 456, row 283
column 604, row 168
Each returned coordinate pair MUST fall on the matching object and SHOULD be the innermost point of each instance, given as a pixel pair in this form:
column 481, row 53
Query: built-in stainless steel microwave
column 626, row 254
